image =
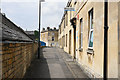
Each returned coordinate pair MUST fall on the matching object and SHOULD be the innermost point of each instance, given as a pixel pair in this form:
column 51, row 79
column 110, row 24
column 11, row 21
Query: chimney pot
column 48, row 28
column 54, row 28
column 43, row 29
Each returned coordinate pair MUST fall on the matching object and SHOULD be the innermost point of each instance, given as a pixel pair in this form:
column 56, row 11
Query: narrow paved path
column 54, row 63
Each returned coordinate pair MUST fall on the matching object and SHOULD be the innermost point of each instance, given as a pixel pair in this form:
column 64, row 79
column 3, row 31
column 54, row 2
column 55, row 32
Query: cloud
column 25, row 14
column 22, row 14
column 57, row 0
column 52, row 13
column 52, row 7
column 19, row 0
column 33, row 0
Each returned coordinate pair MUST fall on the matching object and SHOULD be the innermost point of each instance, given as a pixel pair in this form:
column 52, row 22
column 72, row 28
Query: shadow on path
column 38, row 68
column 54, row 64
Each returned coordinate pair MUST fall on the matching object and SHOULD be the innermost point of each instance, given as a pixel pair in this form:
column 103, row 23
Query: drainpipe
column 105, row 40
column 75, row 41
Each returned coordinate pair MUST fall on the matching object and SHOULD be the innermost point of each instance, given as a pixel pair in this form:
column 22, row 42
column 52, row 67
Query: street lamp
column 39, row 27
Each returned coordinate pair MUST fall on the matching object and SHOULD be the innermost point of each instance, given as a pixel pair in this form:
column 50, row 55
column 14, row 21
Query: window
column 66, row 40
column 52, row 38
column 46, row 37
column 81, row 33
column 63, row 41
column 64, row 22
column 66, row 19
column 90, row 46
column 70, row 12
column 48, row 34
column 75, row 2
column 52, row 44
column 53, row 34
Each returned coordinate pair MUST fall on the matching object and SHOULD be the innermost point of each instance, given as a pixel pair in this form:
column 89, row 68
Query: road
column 54, row 63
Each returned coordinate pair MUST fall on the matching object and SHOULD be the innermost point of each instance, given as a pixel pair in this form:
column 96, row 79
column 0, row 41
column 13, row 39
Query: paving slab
column 54, row 63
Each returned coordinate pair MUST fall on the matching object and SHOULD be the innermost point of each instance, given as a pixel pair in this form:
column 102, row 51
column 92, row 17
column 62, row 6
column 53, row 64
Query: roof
column 11, row 32
column 29, row 32
column 68, row 4
column 48, row 30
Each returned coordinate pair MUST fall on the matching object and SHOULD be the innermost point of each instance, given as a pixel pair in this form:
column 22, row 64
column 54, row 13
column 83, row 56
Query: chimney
column 43, row 29
column 3, row 14
column 48, row 28
column 54, row 28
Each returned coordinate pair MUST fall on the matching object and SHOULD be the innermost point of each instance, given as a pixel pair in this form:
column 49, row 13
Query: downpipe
column 105, row 72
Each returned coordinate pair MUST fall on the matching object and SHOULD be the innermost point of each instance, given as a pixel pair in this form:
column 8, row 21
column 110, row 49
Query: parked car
column 43, row 44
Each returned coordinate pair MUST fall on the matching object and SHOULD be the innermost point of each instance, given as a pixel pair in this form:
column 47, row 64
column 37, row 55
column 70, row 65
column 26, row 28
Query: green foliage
column 36, row 34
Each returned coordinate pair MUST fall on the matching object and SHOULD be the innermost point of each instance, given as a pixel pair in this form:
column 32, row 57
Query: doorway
column 74, row 41
column 70, row 42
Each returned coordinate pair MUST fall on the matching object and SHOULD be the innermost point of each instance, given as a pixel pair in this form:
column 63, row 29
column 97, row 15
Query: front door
column 70, row 42
column 75, row 42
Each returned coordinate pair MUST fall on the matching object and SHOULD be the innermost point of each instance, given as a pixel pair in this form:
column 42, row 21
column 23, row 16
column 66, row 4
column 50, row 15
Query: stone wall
column 17, row 49
column 16, row 58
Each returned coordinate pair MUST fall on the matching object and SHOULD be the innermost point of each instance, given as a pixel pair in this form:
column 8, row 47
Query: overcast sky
column 24, row 13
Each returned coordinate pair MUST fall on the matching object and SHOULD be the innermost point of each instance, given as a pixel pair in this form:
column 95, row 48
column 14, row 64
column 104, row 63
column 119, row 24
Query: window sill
column 90, row 51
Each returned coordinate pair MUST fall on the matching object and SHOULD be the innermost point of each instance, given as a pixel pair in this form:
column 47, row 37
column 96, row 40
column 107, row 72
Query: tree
column 36, row 33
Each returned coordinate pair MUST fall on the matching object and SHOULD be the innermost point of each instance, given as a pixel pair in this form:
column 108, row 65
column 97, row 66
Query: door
column 70, row 42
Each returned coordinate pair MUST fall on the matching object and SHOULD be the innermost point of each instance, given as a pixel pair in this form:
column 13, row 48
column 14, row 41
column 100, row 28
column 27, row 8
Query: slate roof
column 48, row 30
column 11, row 32
column 29, row 32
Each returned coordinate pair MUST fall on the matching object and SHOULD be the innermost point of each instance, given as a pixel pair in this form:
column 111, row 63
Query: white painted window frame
column 91, row 29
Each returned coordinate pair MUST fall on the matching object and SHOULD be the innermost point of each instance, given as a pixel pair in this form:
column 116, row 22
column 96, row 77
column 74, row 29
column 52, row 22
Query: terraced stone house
column 81, row 35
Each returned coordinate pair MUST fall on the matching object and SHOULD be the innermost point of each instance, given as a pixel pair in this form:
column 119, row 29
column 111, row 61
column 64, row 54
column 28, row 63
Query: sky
column 24, row 13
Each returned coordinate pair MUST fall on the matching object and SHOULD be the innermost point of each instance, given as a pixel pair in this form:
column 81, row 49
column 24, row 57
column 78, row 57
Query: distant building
column 50, row 36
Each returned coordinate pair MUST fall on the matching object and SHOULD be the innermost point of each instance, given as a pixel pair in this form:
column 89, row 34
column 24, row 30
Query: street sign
column 69, row 9
column 77, row 17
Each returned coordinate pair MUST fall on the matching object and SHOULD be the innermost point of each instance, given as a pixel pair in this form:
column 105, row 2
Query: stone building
column 81, row 34
column 50, row 36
